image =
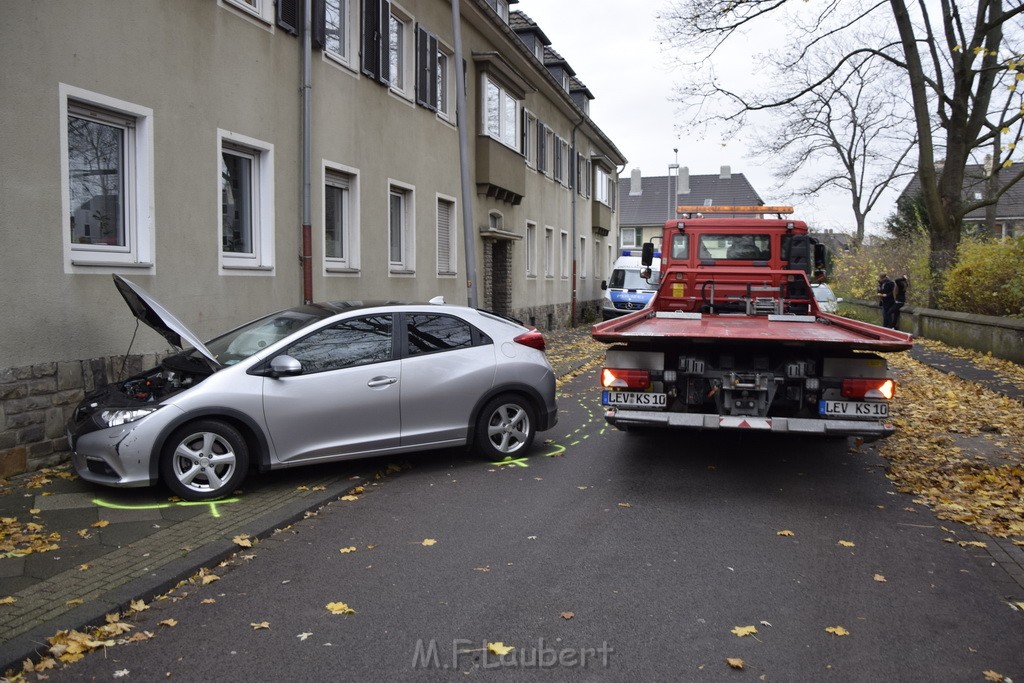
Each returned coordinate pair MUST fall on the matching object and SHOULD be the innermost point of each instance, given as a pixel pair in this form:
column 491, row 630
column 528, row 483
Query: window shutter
column 542, row 161
column 319, row 24
column 289, row 15
column 371, row 38
column 444, row 236
column 384, row 44
column 426, row 68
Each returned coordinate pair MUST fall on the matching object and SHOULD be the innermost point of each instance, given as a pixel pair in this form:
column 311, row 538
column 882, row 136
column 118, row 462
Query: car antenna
column 124, row 362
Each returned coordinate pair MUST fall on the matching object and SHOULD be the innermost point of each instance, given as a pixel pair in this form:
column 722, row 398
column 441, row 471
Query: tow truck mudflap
column 868, row 430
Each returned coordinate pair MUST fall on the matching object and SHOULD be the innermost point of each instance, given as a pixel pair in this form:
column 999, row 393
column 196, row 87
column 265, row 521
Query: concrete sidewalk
column 71, row 552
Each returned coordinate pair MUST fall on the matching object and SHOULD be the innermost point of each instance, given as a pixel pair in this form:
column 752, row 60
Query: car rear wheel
column 505, row 428
column 204, row 460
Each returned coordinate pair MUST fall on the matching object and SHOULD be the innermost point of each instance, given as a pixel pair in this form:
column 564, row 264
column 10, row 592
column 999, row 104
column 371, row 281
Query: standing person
column 886, row 298
column 900, row 286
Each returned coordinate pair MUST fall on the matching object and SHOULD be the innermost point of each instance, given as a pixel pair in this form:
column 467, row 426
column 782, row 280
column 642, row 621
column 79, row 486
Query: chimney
column 988, row 165
column 683, row 184
column 726, row 173
column 634, row 183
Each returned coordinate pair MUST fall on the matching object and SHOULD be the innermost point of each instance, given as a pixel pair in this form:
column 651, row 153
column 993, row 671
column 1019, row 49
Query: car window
column 824, row 294
column 681, row 247
column 429, row 333
column 347, row 344
column 742, row 247
column 246, row 340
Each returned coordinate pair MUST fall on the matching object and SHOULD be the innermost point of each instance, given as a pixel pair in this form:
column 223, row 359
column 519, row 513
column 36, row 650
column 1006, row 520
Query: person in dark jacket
column 899, row 295
column 886, row 298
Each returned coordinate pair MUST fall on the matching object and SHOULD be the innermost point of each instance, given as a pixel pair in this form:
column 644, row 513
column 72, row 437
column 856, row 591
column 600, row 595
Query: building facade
column 201, row 150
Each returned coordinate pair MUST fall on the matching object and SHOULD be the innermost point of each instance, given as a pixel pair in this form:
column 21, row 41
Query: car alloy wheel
column 505, row 427
column 204, row 460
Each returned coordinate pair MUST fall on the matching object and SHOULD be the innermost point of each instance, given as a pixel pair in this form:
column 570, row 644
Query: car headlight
column 120, row 416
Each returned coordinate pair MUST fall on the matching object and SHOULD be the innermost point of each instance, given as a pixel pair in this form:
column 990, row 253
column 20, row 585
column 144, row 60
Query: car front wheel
column 204, row 460
column 505, row 428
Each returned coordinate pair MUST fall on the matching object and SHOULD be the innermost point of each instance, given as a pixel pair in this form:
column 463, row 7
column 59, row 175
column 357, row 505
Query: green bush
column 988, row 278
column 855, row 273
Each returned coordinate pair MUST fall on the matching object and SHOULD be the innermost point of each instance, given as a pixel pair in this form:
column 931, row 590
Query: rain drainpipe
column 306, row 258
column 462, row 118
column 575, row 193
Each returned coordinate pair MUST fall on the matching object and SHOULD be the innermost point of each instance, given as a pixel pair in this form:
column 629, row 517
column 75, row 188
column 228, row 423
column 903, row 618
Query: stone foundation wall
column 37, row 400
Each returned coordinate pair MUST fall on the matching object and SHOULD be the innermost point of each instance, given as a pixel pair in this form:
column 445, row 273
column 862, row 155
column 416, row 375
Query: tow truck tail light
column 872, row 387
column 534, row 339
column 625, row 379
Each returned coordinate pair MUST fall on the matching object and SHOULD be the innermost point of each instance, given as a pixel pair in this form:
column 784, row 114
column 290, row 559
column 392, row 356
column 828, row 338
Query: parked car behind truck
column 628, row 288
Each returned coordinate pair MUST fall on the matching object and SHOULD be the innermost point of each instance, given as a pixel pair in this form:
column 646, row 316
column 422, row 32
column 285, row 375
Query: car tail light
column 625, row 379
column 534, row 339
column 872, row 387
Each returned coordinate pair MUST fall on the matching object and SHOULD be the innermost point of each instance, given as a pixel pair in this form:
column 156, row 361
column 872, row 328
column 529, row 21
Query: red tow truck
column 734, row 338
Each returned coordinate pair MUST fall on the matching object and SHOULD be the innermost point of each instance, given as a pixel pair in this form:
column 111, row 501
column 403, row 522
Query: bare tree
column 954, row 64
column 853, row 133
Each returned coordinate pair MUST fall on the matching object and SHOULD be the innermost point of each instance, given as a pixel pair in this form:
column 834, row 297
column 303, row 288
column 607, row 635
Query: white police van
column 626, row 290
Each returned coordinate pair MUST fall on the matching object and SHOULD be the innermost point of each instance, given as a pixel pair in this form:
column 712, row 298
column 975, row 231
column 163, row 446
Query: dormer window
column 501, row 7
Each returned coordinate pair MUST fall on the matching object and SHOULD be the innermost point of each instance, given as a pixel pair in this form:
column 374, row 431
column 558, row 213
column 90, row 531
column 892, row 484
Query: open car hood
column 148, row 310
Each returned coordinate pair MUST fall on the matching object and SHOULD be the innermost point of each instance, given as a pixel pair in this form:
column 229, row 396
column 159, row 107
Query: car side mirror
column 604, row 284
column 839, row 299
column 645, row 273
column 285, row 366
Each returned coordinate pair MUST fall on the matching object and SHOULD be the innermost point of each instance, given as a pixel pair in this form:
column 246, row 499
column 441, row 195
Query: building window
column 630, row 237
column 400, row 229
column 261, row 9
column 549, row 252
column 375, row 41
column 446, row 238
column 565, row 163
column 563, row 262
column 598, row 266
column 543, row 144
column 528, row 148
column 444, row 81
column 531, row 249
column 557, row 166
column 107, row 180
column 494, row 221
column 602, row 186
column 501, row 7
column 337, row 18
column 246, row 182
column 340, row 244
column 398, row 37
column 583, row 257
column 501, row 112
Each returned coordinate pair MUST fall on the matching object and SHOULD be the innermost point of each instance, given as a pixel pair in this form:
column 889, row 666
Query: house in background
column 1007, row 216
column 164, row 142
column 646, row 202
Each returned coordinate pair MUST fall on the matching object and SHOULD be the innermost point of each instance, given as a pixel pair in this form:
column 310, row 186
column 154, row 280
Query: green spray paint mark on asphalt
column 521, row 462
column 214, row 512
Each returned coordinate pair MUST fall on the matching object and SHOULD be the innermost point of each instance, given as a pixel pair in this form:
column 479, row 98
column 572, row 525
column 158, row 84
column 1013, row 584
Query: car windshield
column 628, row 278
column 822, row 293
column 242, row 342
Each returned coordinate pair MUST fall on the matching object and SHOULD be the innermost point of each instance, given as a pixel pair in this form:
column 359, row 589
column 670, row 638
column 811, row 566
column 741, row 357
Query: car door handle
column 381, row 381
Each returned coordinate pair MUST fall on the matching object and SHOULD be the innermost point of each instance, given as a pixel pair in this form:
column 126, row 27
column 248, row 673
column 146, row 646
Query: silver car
column 828, row 302
column 314, row 384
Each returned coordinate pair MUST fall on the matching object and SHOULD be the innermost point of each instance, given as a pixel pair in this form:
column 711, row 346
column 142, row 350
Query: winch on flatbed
column 734, row 338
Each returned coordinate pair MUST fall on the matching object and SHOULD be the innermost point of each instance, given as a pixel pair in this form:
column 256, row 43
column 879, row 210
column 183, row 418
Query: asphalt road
column 601, row 556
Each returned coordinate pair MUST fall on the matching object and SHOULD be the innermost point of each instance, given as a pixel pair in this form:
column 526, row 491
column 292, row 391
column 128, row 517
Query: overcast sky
column 613, row 48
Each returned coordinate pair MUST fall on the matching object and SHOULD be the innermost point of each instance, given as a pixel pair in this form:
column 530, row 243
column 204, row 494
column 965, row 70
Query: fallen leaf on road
column 242, row 541
column 208, row 601
column 139, row 637
column 210, row 578
column 260, row 626
column 169, row 622
column 625, row 505
column 499, row 648
column 349, row 497
column 358, row 490
column 120, row 673
column 837, row 630
column 9, row 600
column 99, row 524
column 428, row 541
column 785, row 532
column 744, row 630
column 301, row 488
column 138, row 605
column 879, row 578
column 847, row 544
column 567, row 615
column 993, row 676
column 84, row 567
column 350, row 549
column 972, row 544
column 339, row 608
column 734, row 662
column 74, row 601
column 303, row 636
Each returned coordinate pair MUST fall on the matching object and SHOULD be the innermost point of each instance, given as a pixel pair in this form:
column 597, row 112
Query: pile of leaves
column 959, row 447
column 18, row 539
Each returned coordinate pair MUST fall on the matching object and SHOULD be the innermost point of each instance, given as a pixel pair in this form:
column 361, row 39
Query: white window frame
column 563, row 245
column 451, row 268
column 549, row 251
column 634, row 232
column 529, row 134
column 406, row 265
column 531, row 249
column 261, row 260
column 445, row 82
column 258, row 9
column 347, row 37
column 507, row 130
column 583, row 257
column 349, row 265
column 406, row 86
column 602, row 186
column 138, row 213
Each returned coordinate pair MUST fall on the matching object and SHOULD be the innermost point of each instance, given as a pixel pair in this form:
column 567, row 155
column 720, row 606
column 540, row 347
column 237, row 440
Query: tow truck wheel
column 204, row 460
column 505, row 428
